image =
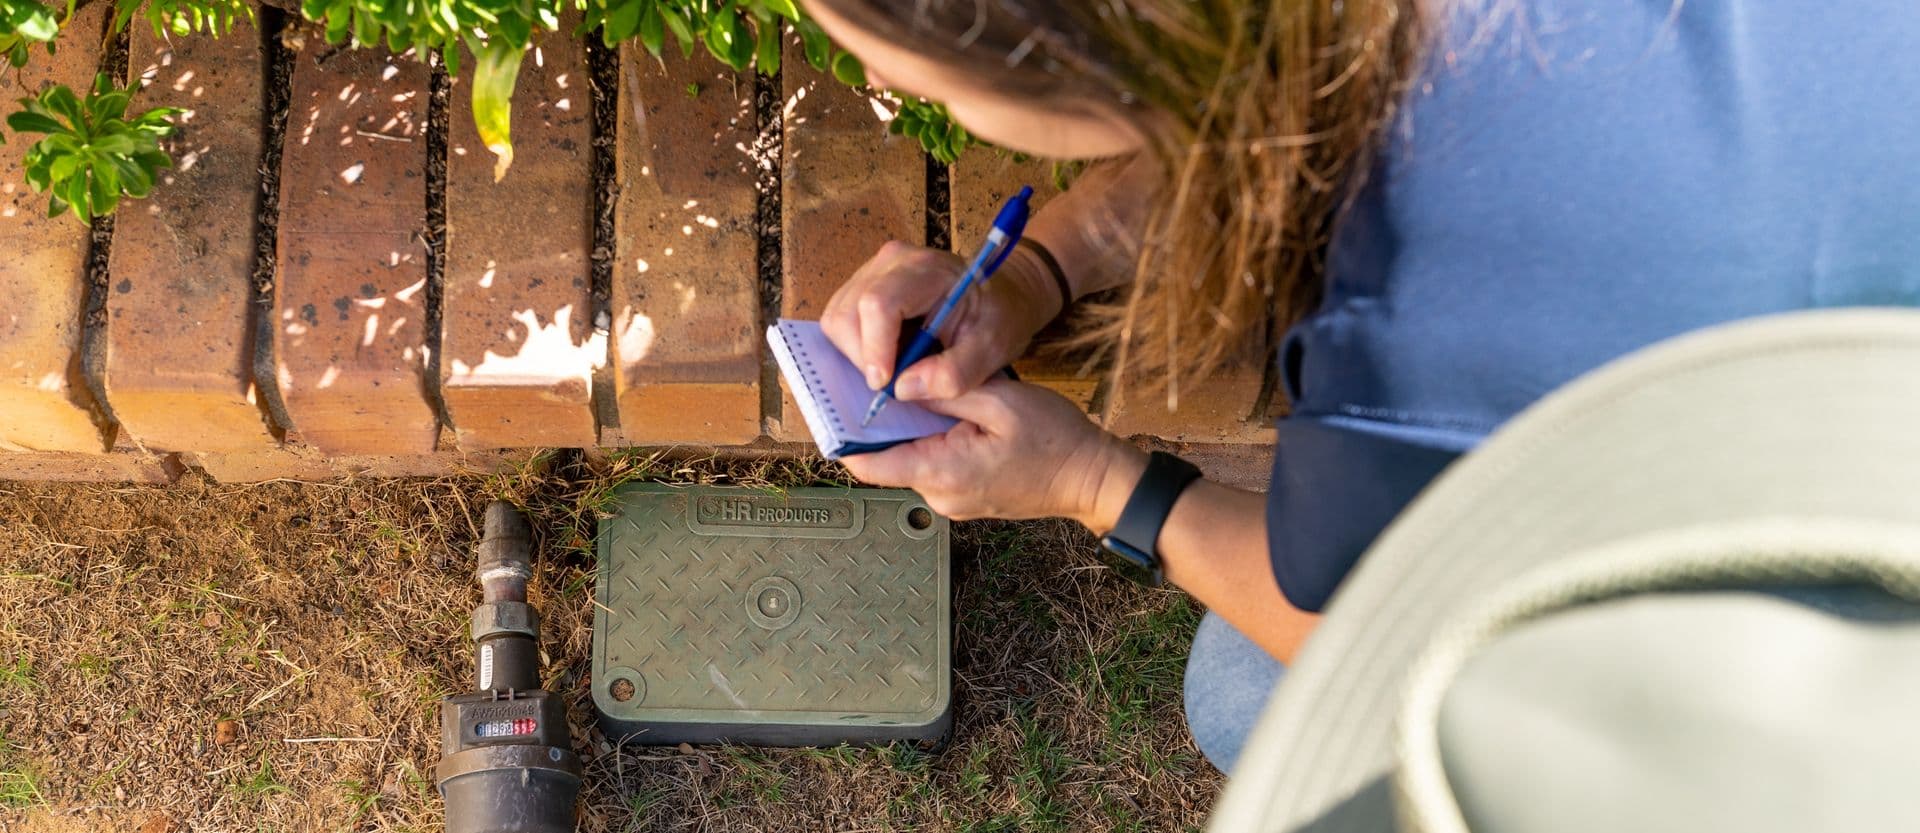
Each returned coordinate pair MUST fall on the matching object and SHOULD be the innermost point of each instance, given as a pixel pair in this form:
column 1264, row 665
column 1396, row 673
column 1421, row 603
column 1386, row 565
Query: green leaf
column 62, row 142
column 64, row 166
column 847, row 70
column 767, row 56
column 816, row 45
column 653, row 31
column 26, row 122
column 625, row 19
column 74, row 191
column 108, row 105
column 37, row 27
column 783, row 8
column 495, row 69
column 61, row 100
column 105, row 190
column 135, row 181
column 681, row 29
column 39, row 171
column 115, row 144
column 723, row 33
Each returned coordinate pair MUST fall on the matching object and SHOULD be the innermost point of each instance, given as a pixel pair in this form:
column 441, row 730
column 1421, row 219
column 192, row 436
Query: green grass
column 93, row 665
column 17, row 675
column 1141, row 668
column 842, row 755
column 19, row 785
column 364, row 798
column 975, row 779
column 261, row 783
column 642, row 805
column 761, row 778
column 1041, row 764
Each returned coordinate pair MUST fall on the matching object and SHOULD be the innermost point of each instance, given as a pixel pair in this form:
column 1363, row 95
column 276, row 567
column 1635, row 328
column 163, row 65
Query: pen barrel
column 923, row 345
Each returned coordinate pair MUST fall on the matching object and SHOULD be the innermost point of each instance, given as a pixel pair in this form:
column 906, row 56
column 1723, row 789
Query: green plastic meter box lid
column 804, row 617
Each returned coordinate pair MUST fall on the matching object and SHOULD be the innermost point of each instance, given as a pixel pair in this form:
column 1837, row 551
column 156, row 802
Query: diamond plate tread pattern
column 868, row 635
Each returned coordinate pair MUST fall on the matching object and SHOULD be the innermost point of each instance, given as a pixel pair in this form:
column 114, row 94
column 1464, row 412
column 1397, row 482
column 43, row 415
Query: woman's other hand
column 992, row 326
column 1020, row 451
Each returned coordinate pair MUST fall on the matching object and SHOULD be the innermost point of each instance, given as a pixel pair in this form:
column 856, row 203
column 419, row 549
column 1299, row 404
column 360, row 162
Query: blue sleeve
column 1334, row 489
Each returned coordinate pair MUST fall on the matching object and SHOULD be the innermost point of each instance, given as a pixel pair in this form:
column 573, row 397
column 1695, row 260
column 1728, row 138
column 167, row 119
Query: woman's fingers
column 880, row 316
column 952, row 372
column 991, row 406
column 863, row 318
column 903, row 466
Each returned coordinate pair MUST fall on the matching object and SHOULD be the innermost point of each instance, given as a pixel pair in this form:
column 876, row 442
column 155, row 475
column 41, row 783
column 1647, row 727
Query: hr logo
column 775, row 512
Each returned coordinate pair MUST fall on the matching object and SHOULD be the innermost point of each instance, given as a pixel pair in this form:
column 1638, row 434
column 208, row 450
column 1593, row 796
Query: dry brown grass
column 270, row 658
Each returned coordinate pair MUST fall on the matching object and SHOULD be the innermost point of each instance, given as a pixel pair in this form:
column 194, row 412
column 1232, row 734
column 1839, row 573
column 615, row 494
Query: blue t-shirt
column 1571, row 184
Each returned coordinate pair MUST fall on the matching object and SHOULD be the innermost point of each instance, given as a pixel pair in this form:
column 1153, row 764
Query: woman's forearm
column 1094, row 228
column 1214, row 546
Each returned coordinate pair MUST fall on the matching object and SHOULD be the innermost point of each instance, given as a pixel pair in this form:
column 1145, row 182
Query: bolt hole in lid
column 920, row 518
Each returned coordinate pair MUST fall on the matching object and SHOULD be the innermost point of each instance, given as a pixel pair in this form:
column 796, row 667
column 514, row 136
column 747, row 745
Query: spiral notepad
column 833, row 394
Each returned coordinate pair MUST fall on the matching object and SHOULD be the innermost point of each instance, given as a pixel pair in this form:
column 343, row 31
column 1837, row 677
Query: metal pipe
column 506, row 762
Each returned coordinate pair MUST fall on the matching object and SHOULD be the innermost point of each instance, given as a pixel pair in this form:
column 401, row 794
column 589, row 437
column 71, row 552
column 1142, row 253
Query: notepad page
column 833, row 394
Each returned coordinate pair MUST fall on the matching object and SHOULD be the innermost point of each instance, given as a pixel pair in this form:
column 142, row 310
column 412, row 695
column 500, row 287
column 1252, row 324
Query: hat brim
column 1805, row 415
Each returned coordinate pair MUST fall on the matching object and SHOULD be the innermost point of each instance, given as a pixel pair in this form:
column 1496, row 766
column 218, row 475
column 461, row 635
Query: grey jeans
column 1228, row 681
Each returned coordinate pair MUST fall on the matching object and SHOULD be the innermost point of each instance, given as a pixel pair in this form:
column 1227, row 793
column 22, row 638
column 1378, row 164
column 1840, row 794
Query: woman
column 1447, row 209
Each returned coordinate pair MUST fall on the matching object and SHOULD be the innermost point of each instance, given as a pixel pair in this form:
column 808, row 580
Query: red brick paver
column 981, row 183
column 179, row 347
column 686, row 308
column 846, row 189
column 77, row 467
column 43, row 274
column 350, row 305
column 310, row 464
column 518, row 341
column 1217, row 409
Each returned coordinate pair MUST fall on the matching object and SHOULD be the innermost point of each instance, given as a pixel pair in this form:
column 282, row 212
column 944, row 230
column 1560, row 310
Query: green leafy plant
column 92, row 154
column 748, row 33
column 936, row 131
column 183, row 17
column 24, row 23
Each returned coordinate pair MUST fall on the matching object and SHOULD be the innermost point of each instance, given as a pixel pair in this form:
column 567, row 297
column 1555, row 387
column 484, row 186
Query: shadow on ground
column 269, row 658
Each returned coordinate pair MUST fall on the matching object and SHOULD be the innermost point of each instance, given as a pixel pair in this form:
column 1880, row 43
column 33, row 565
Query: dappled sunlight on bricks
column 179, row 335
column 520, row 348
column 538, row 350
column 696, row 253
column 350, row 302
column 44, row 404
column 685, row 303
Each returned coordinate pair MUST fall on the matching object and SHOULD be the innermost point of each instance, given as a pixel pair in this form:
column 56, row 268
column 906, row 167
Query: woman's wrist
column 1117, row 472
column 1037, row 285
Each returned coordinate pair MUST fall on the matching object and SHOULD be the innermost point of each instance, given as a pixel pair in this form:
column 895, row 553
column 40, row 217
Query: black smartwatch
column 1134, row 543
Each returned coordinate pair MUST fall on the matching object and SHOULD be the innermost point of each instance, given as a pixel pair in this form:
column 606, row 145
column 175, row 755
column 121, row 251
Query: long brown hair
column 1263, row 112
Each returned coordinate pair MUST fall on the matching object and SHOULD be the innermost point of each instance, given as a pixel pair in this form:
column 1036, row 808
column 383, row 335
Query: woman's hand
column 1020, row 451
column 992, row 326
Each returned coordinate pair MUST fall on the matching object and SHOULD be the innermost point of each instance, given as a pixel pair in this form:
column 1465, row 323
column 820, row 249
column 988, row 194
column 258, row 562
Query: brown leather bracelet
column 1058, row 274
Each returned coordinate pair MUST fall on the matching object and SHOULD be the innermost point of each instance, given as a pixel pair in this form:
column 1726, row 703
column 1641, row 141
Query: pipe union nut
column 495, row 618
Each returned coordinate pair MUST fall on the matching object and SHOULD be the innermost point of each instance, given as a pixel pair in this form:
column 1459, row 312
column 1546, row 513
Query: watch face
column 1132, row 563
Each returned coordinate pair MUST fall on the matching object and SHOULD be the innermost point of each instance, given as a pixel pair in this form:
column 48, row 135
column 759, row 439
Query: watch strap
column 1161, row 485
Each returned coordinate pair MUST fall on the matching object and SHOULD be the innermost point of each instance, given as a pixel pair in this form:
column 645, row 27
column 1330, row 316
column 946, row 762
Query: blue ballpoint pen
column 1006, row 231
